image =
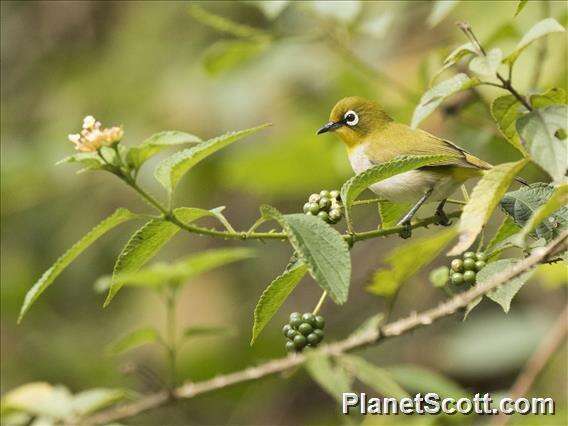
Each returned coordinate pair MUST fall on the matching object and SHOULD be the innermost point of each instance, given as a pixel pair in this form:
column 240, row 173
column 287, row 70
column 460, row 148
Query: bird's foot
column 406, row 231
column 442, row 218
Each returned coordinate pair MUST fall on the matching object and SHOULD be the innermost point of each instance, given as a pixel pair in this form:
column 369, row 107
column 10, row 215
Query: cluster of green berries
column 303, row 330
column 465, row 269
column 326, row 205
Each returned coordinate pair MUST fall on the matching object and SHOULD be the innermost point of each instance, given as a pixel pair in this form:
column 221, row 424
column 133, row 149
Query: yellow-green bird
column 372, row 137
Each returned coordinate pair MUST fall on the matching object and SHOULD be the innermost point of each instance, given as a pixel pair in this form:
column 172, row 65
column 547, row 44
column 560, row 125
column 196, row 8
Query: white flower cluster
column 92, row 137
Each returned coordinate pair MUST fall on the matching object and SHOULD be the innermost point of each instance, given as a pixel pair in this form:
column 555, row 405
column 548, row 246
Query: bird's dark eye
column 351, row 118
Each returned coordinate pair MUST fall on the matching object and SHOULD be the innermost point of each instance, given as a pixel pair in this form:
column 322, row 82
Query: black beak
column 330, row 127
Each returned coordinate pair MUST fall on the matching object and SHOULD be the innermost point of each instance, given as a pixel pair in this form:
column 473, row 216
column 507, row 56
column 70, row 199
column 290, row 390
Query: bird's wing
column 398, row 139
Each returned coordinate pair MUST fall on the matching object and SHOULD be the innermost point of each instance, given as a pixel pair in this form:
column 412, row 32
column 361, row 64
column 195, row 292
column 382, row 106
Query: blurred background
column 154, row 66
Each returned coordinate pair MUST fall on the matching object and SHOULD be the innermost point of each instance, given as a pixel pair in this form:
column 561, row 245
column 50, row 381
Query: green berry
column 300, row 342
column 324, row 194
column 314, row 198
column 469, row 277
column 457, row 278
column 319, row 333
column 469, row 255
column 457, row 265
column 479, row 265
column 295, row 322
column 309, row 318
column 290, row 346
column 335, row 215
column 334, row 194
column 291, row 334
column 481, row 256
column 469, row 264
column 305, row 328
column 295, row 315
column 313, row 339
column 306, row 207
column 324, row 203
column 319, row 322
column 286, row 329
column 323, row 216
column 314, row 208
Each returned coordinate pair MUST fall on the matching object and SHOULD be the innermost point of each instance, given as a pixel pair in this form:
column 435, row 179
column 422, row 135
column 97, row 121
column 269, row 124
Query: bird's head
column 354, row 118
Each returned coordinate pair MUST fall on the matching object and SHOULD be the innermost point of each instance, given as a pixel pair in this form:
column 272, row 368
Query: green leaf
column 227, row 55
column 520, row 6
column 417, row 379
column 503, row 294
column 332, row 379
column 540, row 29
column 506, row 110
column 92, row 400
column 118, row 217
column 543, row 132
column 554, row 96
column 171, row 170
column 486, row 66
column 405, row 261
column 205, row 331
column 471, row 306
column 375, row 377
column 507, row 229
column 391, row 213
column 140, row 248
column 440, row 10
column 137, row 155
column 89, row 161
column 454, row 57
column 436, row 95
column 163, row 273
column 320, row 247
column 274, row 296
column 483, row 200
column 440, row 276
column 358, row 183
column 133, row 340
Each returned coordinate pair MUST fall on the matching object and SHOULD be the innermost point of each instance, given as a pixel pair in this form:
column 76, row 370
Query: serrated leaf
column 119, row 216
column 506, row 110
column 499, row 241
column 440, row 276
column 332, row 379
column 483, row 200
column 163, row 273
column 504, row 293
column 320, row 247
column 375, row 377
column 540, row 29
column 391, row 213
column 551, row 217
column 486, row 66
column 358, row 183
column 554, row 96
column 137, row 155
column 205, row 331
column 540, row 131
column 133, row 340
column 92, row 400
column 520, row 6
column 171, row 170
column 416, row 379
column 440, row 10
column 226, row 55
column 405, row 261
column 274, row 296
column 436, row 95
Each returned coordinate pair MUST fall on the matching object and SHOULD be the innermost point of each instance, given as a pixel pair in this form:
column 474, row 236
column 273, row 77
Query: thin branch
column 549, row 345
column 371, row 337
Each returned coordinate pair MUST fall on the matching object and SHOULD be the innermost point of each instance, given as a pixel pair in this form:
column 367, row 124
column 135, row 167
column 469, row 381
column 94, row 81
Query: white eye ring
column 351, row 118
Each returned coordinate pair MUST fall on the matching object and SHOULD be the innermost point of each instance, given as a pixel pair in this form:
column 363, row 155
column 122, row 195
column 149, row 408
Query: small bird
column 372, row 137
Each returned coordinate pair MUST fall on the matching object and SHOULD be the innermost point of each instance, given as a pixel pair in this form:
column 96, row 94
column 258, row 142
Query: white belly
column 405, row 187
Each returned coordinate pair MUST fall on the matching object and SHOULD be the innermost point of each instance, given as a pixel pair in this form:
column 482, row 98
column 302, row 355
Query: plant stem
column 320, row 303
column 171, row 333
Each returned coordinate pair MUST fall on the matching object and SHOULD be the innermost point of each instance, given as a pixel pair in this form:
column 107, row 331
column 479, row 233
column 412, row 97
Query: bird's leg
column 405, row 221
column 442, row 218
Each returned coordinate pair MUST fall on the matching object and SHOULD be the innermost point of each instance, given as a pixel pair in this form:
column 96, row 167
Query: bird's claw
column 406, row 231
column 442, row 219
